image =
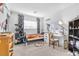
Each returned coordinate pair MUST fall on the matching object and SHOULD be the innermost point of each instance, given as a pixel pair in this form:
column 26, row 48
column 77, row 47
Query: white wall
column 66, row 15
column 41, row 24
column 14, row 20
column 70, row 12
column 3, row 17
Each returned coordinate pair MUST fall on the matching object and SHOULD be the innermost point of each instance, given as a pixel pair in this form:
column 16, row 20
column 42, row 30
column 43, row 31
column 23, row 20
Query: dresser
column 6, row 44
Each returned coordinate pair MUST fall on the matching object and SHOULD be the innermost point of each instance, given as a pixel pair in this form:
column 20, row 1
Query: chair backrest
column 51, row 36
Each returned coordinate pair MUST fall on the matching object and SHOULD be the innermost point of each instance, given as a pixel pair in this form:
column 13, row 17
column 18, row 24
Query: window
column 30, row 24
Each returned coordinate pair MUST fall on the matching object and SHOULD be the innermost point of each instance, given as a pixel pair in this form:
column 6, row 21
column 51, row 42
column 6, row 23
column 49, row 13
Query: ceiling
column 38, row 9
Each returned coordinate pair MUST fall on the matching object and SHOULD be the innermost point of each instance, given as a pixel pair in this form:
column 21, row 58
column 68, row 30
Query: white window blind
column 30, row 24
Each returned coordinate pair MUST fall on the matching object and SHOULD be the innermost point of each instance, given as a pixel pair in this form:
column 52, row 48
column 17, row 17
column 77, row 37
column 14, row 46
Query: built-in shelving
column 73, row 36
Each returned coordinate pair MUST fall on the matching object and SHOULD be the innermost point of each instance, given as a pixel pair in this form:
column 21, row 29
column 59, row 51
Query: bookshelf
column 73, row 45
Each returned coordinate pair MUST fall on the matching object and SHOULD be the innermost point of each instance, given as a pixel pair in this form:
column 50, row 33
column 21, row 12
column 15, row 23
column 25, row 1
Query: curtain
column 38, row 25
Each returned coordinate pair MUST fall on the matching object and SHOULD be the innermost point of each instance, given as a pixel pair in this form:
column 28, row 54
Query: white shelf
column 73, row 28
column 74, row 36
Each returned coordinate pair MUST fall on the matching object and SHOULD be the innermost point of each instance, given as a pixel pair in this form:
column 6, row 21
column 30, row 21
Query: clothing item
column 22, row 39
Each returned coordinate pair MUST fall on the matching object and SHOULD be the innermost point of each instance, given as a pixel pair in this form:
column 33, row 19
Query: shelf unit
column 6, row 44
column 46, row 38
column 73, row 36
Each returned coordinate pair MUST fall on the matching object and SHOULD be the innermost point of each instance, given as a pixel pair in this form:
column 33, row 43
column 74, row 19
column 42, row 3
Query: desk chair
column 53, row 40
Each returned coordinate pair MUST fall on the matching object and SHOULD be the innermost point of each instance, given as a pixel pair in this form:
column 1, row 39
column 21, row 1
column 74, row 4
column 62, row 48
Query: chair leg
column 58, row 43
column 53, row 44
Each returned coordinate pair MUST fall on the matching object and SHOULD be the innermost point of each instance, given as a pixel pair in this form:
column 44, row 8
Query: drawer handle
column 0, row 41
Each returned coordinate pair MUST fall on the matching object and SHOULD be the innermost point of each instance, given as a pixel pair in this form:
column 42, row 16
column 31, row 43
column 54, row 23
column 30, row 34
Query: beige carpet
column 32, row 50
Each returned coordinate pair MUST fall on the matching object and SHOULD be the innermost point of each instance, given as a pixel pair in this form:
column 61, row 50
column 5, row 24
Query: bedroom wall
column 3, row 17
column 14, row 20
column 66, row 14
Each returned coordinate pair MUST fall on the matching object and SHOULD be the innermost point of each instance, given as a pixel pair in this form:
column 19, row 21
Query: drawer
column 11, row 53
column 11, row 50
column 10, row 40
column 11, row 45
column 0, row 41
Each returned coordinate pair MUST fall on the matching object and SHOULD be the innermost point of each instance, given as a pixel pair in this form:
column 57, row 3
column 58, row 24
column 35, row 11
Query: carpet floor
column 32, row 50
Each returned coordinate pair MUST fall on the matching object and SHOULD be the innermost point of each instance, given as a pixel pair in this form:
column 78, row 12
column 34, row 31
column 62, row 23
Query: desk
column 56, row 39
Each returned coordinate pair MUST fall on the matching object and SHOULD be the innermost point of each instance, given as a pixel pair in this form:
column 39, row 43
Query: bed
column 31, row 37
